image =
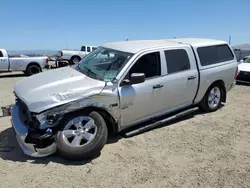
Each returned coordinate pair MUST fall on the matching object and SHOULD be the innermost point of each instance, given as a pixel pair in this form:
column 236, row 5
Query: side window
column 148, row 64
column 1, row 53
column 224, row 53
column 177, row 60
column 93, row 48
column 214, row 54
column 88, row 49
column 83, row 48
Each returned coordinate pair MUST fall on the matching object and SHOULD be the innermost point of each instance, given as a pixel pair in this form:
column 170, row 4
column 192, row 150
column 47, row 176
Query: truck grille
column 244, row 76
column 24, row 112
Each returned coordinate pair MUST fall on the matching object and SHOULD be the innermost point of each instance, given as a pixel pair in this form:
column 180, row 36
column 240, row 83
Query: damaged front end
column 43, row 100
column 35, row 133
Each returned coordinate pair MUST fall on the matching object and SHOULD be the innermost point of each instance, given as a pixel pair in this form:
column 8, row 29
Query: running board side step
column 158, row 123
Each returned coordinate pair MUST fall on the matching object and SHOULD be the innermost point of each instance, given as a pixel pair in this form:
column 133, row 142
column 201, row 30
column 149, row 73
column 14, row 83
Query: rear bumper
column 21, row 132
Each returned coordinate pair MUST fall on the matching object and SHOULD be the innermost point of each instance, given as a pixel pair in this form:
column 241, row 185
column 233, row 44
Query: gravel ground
column 201, row 150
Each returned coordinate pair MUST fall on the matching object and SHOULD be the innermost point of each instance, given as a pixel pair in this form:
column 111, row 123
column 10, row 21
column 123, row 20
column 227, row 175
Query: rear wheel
column 75, row 60
column 212, row 99
column 82, row 136
column 32, row 69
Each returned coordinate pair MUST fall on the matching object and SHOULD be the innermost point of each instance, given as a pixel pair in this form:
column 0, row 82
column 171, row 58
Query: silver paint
column 65, row 90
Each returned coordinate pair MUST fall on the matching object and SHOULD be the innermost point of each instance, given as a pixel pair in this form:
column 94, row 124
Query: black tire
column 32, row 69
column 89, row 150
column 204, row 104
column 71, row 62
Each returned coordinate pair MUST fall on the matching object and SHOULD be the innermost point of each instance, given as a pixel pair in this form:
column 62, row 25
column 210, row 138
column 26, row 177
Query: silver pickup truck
column 119, row 85
column 29, row 65
column 74, row 56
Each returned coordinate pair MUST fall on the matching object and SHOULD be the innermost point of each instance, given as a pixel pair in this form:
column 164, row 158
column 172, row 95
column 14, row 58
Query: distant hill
column 242, row 46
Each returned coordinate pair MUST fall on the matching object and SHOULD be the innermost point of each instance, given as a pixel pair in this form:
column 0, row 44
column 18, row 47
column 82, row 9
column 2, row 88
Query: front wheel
column 212, row 99
column 82, row 136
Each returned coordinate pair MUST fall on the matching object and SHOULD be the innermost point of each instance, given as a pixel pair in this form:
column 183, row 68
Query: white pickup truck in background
column 74, row 56
column 29, row 65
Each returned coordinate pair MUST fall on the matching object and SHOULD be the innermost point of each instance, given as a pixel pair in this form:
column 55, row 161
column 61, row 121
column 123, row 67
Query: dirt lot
column 202, row 150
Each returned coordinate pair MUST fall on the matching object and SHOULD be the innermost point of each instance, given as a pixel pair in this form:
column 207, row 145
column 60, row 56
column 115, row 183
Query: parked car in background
column 117, row 86
column 29, row 65
column 244, row 71
column 74, row 56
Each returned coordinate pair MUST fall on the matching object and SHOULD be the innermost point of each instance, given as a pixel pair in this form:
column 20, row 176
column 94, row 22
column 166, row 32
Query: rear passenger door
column 180, row 79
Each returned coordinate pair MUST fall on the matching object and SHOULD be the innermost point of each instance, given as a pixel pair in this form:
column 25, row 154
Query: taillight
column 236, row 73
column 61, row 53
column 47, row 60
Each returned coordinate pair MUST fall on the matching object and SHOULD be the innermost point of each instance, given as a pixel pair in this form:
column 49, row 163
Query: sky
column 61, row 24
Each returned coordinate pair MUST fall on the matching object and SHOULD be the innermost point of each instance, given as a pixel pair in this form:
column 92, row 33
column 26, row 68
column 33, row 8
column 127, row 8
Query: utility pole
column 229, row 40
column 66, row 42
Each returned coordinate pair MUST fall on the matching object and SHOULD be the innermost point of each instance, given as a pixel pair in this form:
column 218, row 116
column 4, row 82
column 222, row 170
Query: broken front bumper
column 21, row 133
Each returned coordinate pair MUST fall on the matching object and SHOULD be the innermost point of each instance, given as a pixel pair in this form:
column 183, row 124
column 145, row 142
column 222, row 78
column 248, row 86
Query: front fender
column 108, row 103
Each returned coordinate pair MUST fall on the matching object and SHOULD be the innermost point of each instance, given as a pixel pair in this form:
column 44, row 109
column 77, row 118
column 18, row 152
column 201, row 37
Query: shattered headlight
column 50, row 118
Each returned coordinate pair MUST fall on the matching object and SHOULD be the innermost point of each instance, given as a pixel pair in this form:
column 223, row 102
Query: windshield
column 103, row 63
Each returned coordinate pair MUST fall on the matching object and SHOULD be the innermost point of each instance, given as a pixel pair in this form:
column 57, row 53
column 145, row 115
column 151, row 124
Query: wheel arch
column 75, row 56
column 33, row 63
column 109, row 119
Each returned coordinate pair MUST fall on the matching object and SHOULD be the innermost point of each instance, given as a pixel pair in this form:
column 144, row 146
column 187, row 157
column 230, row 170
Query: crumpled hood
column 244, row 67
column 55, row 87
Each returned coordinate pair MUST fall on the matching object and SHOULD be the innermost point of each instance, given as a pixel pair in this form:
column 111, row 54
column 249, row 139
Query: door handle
column 157, row 86
column 191, row 77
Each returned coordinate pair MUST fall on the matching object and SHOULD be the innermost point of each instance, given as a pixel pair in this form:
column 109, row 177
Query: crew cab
column 74, row 56
column 119, row 85
column 29, row 65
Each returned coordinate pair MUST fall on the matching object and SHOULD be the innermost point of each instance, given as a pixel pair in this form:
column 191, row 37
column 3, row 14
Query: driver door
column 139, row 101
